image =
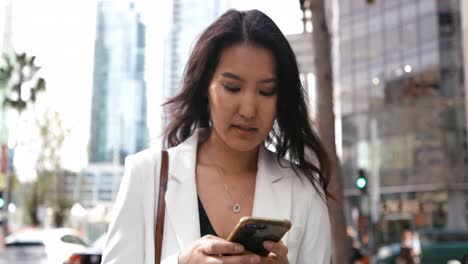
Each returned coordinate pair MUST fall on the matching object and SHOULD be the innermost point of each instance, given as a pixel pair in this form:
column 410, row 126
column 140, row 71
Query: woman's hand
column 210, row 249
column 278, row 253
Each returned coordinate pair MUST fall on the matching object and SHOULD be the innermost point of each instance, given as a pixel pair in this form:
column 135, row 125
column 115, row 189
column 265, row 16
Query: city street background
column 82, row 82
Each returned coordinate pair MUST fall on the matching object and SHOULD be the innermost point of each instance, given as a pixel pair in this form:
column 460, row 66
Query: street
column 12, row 256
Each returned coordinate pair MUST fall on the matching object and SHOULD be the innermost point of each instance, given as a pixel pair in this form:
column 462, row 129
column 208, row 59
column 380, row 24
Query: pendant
column 236, row 208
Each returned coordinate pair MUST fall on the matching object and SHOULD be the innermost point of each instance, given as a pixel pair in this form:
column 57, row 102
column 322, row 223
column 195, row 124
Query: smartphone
column 252, row 231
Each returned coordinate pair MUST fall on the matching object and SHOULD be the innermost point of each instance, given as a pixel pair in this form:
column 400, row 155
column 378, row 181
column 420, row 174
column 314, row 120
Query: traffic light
column 2, row 200
column 361, row 181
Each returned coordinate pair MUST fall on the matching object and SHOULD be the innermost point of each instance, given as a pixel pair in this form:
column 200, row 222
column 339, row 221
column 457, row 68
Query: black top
column 205, row 225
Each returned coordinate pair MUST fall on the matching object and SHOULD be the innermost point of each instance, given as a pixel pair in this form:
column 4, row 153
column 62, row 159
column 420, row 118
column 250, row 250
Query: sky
column 61, row 33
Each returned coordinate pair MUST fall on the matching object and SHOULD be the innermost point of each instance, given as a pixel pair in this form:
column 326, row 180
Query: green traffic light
column 2, row 202
column 361, row 183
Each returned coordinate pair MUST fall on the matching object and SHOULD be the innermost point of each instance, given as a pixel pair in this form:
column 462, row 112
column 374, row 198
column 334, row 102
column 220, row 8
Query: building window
column 346, row 96
column 409, row 35
column 361, row 99
column 428, row 28
column 430, row 59
column 392, row 40
column 345, row 7
column 375, row 23
column 392, row 17
column 345, row 33
column 361, row 51
column 107, row 174
column 360, row 28
column 409, row 11
column 428, row 7
column 346, row 53
column 391, row 3
column 375, row 45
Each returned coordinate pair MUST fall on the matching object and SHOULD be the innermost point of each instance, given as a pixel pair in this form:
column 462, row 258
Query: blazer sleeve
column 125, row 236
column 316, row 244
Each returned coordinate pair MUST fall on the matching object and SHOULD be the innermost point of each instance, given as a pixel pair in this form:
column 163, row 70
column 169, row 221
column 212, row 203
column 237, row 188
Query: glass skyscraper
column 189, row 19
column 118, row 119
column 403, row 116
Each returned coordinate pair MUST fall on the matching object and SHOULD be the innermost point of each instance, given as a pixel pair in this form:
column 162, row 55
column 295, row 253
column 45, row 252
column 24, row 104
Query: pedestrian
column 241, row 144
column 410, row 249
column 355, row 249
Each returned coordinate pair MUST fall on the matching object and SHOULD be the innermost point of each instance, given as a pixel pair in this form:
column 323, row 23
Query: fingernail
column 254, row 259
column 239, row 249
column 268, row 245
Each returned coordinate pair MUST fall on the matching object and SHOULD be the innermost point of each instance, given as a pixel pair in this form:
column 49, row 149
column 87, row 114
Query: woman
column 241, row 145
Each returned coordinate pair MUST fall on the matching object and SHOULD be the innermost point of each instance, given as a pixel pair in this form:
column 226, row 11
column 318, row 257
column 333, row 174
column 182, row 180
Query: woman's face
column 242, row 96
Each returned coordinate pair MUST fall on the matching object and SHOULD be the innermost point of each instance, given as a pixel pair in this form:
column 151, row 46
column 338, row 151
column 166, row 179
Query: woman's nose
column 248, row 107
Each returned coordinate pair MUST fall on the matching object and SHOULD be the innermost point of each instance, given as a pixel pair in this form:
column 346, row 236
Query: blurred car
column 387, row 254
column 438, row 246
column 42, row 246
column 91, row 255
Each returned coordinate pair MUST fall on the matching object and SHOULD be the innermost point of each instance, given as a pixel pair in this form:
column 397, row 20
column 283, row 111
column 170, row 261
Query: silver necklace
column 236, row 207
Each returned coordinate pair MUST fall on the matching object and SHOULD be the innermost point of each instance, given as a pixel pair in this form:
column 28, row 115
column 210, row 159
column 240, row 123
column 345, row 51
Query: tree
column 19, row 88
column 326, row 124
column 49, row 188
column 35, row 196
column 18, row 81
column 51, row 177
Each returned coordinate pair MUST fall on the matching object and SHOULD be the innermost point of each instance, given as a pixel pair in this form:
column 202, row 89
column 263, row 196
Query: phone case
column 251, row 232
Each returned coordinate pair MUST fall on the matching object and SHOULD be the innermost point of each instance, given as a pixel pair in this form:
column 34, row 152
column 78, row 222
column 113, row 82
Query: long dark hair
column 292, row 134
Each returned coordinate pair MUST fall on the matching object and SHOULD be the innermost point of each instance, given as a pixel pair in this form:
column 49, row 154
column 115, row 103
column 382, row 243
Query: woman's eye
column 268, row 93
column 231, row 89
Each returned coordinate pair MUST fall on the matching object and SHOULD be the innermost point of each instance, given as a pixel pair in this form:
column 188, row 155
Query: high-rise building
column 403, row 112
column 189, row 19
column 118, row 118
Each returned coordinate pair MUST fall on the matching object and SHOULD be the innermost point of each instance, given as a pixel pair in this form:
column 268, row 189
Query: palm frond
column 41, row 84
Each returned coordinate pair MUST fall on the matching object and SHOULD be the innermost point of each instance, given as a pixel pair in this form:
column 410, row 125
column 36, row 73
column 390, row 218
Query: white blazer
column 279, row 193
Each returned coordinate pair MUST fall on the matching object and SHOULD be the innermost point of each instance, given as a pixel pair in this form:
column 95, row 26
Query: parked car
column 387, row 254
column 91, row 255
column 438, row 246
column 42, row 246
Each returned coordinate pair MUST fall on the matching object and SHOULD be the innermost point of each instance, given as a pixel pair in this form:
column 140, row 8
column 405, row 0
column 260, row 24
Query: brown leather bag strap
column 158, row 236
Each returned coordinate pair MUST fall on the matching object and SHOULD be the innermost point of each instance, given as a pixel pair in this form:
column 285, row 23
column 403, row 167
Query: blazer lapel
column 181, row 195
column 272, row 197
column 273, row 189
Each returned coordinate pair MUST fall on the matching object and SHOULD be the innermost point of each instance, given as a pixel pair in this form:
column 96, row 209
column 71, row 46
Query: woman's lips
column 245, row 130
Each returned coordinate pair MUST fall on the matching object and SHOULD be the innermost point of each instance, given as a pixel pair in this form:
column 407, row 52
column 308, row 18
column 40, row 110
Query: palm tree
column 19, row 88
column 326, row 123
column 19, row 71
